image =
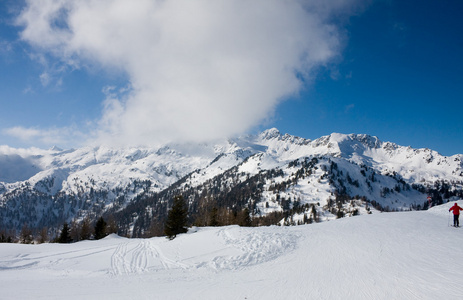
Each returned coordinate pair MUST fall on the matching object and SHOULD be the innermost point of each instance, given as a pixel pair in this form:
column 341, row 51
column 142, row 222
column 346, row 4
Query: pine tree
column 112, row 225
column 75, row 231
column 245, row 219
column 156, row 228
column 176, row 219
column 65, row 236
column 26, row 235
column 100, row 229
column 85, row 229
column 43, row 236
column 213, row 219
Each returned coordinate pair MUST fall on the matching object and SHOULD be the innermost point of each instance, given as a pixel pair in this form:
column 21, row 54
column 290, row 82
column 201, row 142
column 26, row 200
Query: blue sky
column 392, row 69
column 400, row 79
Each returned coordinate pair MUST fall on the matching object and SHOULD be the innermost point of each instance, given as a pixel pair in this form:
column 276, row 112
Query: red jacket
column 456, row 209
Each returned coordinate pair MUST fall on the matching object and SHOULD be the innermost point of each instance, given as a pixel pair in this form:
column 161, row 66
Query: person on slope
column 456, row 214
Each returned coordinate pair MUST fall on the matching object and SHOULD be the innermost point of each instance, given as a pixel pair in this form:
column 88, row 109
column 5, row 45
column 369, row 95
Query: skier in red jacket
column 456, row 214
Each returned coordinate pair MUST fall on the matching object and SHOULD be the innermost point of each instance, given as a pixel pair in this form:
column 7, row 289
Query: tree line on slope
column 68, row 233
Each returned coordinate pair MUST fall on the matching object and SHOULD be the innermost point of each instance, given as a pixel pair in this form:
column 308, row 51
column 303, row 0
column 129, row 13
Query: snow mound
column 113, row 236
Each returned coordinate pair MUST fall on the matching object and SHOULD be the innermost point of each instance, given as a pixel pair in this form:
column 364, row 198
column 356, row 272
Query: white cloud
column 198, row 69
column 348, row 108
column 22, row 133
column 45, row 78
column 6, row 47
column 45, row 137
column 52, row 70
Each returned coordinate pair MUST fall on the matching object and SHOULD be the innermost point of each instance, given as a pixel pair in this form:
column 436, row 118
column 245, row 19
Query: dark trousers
column 456, row 222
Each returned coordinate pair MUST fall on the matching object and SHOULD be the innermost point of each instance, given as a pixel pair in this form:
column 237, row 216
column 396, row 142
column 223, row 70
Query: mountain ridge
column 48, row 187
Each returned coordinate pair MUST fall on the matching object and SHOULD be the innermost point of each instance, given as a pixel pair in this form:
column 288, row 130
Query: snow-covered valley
column 402, row 255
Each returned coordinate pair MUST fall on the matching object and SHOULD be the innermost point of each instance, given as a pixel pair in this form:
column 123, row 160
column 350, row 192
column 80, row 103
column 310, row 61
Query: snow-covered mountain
column 327, row 177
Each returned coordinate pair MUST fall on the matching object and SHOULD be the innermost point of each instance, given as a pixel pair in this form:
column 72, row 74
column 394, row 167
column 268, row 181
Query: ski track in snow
column 255, row 246
column 140, row 256
column 22, row 261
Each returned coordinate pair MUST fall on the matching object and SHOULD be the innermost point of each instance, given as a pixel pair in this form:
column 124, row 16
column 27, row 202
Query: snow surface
column 407, row 255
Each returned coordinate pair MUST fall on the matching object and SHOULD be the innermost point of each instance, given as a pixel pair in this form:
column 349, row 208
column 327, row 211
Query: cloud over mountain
column 197, row 70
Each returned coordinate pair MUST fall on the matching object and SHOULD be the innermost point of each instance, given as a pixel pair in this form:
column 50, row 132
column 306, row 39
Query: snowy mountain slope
column 387, row 157
column 407, row 255
column 101, row 164
column 97, row 176
column 304, row 181
column 48, row 187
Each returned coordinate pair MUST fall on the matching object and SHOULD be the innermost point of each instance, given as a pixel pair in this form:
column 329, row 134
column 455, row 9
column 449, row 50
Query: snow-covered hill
column 407, row 255
column 48, row 187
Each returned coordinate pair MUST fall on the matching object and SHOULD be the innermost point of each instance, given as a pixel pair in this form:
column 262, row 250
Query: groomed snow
column 407, row 255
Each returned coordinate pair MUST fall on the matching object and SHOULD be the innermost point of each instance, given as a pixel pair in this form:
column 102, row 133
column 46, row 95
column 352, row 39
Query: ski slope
column 407, row 255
